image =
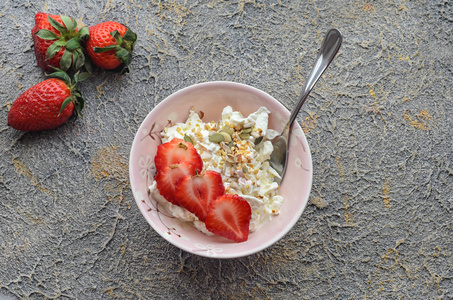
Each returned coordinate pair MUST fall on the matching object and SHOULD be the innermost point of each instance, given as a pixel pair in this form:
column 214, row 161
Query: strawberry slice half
column 168, row 178
column 176, row 151
column 229, row 216
column 196, row 192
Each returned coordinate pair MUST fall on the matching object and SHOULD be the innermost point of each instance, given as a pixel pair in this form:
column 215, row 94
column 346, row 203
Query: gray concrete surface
column 379, row 221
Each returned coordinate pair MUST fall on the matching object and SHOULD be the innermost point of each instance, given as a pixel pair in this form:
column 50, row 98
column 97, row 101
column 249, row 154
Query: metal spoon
column 329, row 49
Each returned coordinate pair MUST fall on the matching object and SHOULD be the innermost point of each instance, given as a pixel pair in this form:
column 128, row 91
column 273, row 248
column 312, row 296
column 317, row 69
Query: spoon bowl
column 326, row 54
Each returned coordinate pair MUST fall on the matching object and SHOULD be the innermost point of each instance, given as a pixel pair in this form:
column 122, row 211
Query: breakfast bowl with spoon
column 291, row 158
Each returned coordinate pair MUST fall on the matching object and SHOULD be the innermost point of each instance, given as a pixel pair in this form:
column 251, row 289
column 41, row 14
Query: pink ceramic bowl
column 211, row 98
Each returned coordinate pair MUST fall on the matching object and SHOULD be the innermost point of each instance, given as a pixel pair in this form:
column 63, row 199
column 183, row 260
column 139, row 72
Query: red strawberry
column 110, row 45
column 168, row 177
column 47, row 104
column 195, row 193
column 175, row 152
column 57, row 42
column 229, row 216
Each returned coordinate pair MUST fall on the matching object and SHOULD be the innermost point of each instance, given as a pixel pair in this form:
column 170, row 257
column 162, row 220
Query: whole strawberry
column 110, row 45
column 57, row 42
column 47, row 104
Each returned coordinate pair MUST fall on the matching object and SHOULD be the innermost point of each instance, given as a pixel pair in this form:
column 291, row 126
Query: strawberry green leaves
column 68, row 37
column 76, row 95
column 123, row 47
column 69, row 23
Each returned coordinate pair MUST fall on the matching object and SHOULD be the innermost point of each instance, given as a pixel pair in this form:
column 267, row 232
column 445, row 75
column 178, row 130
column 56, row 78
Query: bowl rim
column 246, row 252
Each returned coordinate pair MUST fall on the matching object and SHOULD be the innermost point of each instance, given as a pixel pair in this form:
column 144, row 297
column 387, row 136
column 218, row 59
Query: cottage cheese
column 243, row 162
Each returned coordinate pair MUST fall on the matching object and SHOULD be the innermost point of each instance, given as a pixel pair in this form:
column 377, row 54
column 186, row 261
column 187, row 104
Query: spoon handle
column 329, row 49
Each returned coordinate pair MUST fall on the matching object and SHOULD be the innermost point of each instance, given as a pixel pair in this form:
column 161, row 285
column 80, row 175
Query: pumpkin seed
column 226, row 136
column 244, row 136
column 245, row 169
column 188, row 139
column 258, row 140
column 216, row 138
column 247, row 130
column 227, row 129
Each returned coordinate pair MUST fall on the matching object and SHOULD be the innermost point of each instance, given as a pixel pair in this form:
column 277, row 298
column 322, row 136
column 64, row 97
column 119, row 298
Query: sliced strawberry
column 175, row 152
column 229, row 216
column 195, row 193
column 168, row 177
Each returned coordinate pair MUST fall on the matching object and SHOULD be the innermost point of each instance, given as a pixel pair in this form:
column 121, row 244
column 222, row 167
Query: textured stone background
column 379, row 222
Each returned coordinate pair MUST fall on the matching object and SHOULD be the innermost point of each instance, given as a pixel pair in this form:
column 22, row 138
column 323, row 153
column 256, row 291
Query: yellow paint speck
column 340, row 169
column 22, row 169
column 347, row 213
column 108, row 164
column 422, row 121
column 309, row 124
column 386, row 191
